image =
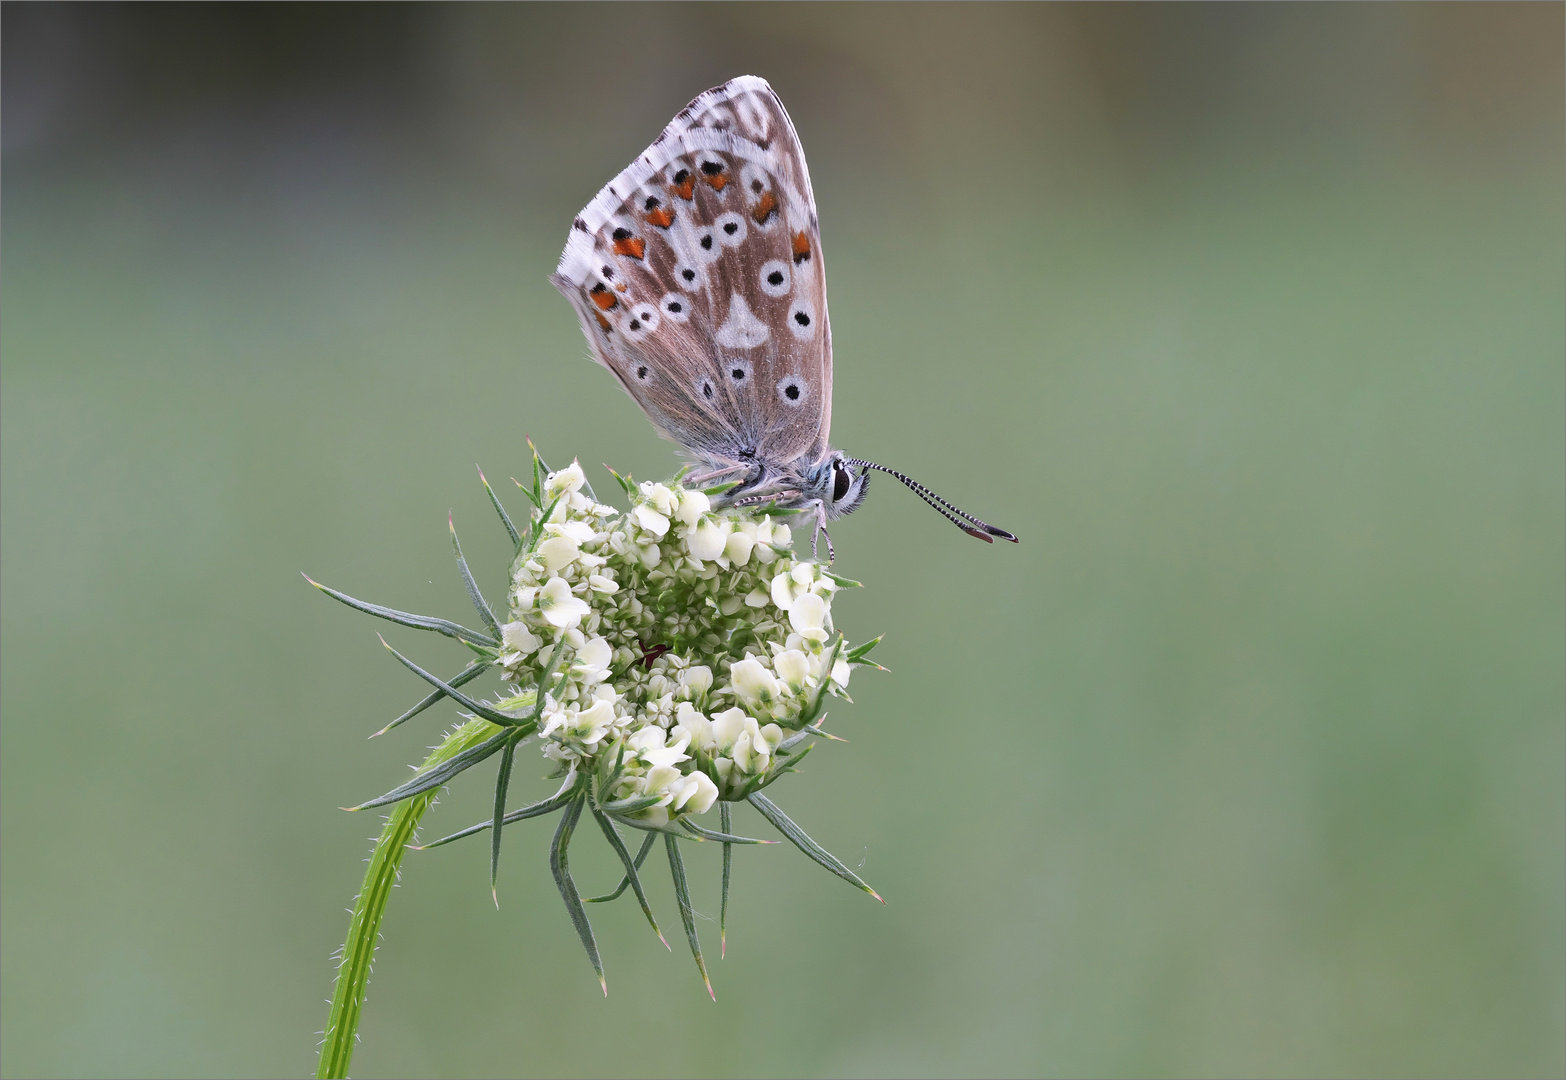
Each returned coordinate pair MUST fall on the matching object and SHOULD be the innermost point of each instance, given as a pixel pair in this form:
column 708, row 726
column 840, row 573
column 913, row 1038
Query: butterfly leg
column 698, row 479
column 820, row 531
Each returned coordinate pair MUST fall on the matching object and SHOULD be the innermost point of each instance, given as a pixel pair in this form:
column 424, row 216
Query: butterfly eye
column 675, row 306
column 791, row 391
column 802, row 319
column 775, row 278
column 842, row 480
column 730, row 229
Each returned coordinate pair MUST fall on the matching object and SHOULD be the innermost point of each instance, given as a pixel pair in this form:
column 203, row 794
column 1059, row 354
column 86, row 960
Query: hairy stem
column 353, row 974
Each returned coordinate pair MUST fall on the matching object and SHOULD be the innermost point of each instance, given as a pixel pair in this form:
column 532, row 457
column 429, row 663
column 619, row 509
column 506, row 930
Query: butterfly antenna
column 964, row 521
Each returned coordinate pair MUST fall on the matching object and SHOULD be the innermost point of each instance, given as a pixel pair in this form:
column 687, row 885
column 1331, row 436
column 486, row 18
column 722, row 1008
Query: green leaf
column 353, row 974
column 527, row 494
column 779, row 769
column 541, row 689
column 682, row 895
column 726, row 822
column 725, row 838
column 538, row 809
column 505, row 518
column 613, row 836
column 857, row 654
column 573, row 900
column 502, row 781
column 647, row 826
column 799, row 839
column 627, row 485
column 641, row 856
column 472, row 586
column 610, row 766
column 634, row 804
column 801, row 735
column 843, row 582
column 538, row 476
column 456, row 695
column 441, row 773
column 418, row 622
column 462, row 678
column 537, row 533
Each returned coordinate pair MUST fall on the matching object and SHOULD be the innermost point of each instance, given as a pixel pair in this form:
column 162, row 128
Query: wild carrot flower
column 668, row 659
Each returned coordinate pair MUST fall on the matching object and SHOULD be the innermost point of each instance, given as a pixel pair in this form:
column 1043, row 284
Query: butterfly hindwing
column 697, row 277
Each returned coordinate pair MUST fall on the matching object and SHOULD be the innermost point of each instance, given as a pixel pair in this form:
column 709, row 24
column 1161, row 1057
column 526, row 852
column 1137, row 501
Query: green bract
column 667, row 659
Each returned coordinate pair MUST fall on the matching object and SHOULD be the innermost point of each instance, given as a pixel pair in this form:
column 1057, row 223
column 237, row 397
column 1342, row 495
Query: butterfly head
column 843, row 486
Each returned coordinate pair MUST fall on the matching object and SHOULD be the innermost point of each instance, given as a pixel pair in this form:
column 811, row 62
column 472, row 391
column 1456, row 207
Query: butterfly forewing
column 697, row 276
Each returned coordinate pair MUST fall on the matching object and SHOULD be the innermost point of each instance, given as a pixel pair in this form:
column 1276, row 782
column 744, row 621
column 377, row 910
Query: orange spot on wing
column 716, row 181
column 602, row 322
column 685, row 189
column 601, row 296
column 634, row 246
column 801, row 248
column 662, row 217
column 766, row 206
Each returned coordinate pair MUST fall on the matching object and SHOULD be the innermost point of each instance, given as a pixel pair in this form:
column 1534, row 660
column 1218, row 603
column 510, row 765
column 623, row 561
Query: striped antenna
column 964, row 521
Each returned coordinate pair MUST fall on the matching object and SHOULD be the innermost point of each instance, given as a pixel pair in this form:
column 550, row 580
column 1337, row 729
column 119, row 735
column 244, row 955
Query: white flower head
column 649, row 602
column 739, row 545
column 651, row 519
column 727, row 727
column 593, row 660
column 693, row 504
column 793, row 667
column 753, row 682
column 660, row 498
column 518, row 638
column 662, row 657
column 808, row 613
column 695, row 727
column 707, row 540
column 698, row 678
column 558, row 606
column 558, row 552
column 566, row 481
column 783, row 591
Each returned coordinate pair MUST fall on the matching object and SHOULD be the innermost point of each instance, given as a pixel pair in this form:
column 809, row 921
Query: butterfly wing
column 697, row 277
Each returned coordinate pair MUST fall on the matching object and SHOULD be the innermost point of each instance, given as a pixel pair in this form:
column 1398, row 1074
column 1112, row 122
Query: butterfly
column 697, row 277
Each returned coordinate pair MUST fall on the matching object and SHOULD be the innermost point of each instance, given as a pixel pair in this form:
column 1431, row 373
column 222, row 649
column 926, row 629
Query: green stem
column 353, row 975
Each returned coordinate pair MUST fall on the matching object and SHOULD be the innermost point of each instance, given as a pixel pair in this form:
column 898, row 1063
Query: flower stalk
column 353, row 970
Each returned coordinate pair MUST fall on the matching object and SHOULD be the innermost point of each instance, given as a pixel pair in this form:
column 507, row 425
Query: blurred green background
column 1248, row 320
